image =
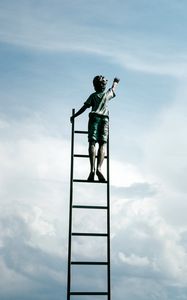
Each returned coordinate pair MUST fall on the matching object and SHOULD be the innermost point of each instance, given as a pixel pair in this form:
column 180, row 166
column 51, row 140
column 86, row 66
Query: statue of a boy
column 98, row 122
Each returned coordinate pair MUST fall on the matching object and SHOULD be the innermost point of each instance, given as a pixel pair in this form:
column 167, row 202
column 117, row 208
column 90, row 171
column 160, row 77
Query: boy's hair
column 99, row 83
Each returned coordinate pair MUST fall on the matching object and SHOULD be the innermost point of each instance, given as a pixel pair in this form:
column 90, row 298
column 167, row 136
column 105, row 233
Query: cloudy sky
column 50, row 50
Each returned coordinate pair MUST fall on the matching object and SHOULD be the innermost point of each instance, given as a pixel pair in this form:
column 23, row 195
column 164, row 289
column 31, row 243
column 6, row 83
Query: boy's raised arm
column 115, row 83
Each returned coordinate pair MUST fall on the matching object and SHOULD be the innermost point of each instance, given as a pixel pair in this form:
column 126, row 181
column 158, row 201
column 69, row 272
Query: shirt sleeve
column 88, row 102
column 110, row 94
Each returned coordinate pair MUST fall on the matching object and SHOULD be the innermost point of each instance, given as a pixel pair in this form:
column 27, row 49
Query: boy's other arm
column 79, row 112
column 115, row 83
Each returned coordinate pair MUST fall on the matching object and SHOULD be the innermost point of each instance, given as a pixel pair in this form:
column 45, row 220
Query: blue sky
column 49, row 53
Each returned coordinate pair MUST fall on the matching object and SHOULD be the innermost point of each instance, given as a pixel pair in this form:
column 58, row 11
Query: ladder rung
column 85, row 155
column 88, row 293
column 90, row 206
column 89, row 234
column 84, row 180
column 81, row 155
column 81, row 131
column 89, row 263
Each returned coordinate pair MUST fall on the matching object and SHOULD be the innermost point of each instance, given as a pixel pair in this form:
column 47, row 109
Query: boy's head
column 99, row 83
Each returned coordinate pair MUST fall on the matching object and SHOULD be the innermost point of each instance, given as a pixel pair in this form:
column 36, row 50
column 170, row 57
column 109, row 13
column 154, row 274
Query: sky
column 50, row 50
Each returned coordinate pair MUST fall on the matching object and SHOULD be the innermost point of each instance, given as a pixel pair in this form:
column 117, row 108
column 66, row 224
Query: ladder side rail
column 70, row 210
column 108, row 223
column 71, row 206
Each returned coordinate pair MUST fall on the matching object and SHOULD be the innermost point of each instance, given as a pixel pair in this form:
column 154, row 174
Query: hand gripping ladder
column 106, row 234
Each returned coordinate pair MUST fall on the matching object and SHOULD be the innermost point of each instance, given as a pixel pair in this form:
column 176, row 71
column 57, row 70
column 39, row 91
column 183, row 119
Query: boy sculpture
column 98, row 122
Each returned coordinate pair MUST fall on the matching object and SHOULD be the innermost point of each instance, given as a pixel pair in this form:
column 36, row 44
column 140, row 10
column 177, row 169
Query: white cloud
column 23, row 26
column 125, row 174
column 33, row 200
column 30, row 151
column 134, row 260
column 145, row 241
column 147, row 233
column 3, row 124
column 35, row 213
column 148, row 203
column 165, row 147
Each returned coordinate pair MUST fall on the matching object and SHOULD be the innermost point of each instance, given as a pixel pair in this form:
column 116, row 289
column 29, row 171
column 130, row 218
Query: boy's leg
column 101, row 155
column 100, row 159
column 103, row 136
column 92, row 154
column 92, row 138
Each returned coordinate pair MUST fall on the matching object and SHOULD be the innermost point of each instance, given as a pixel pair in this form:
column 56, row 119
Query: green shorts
column 98, row 128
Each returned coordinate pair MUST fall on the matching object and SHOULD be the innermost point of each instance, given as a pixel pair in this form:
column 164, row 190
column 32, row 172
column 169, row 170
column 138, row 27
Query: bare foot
column 91, row 176
column 100, row 176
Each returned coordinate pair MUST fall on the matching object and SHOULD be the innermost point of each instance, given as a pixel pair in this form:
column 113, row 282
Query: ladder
column 106, row 235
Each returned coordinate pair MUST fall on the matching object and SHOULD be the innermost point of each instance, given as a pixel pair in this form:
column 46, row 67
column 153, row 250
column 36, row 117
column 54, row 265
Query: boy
column 98, row 122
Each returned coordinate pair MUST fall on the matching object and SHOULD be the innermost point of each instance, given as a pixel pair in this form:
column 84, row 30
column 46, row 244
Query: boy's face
column 103, row 83
column 100, row 83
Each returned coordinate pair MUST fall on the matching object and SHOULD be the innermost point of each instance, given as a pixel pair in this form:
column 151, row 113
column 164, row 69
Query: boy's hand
column 117, row 80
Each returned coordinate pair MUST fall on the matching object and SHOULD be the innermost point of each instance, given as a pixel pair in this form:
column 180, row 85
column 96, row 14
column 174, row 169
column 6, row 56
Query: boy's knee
column 102, row 144
column 92, row 143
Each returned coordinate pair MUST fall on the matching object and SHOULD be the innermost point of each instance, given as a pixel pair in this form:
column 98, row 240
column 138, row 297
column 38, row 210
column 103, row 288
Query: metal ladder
column 106, row 234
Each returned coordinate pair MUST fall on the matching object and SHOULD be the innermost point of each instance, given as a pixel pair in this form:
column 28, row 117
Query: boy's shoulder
column 95, row 95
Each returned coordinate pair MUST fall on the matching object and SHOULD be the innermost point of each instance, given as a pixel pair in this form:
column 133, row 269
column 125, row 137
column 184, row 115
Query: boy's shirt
column 98, row 102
